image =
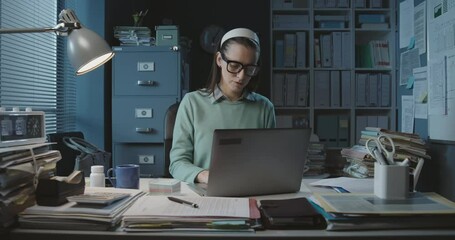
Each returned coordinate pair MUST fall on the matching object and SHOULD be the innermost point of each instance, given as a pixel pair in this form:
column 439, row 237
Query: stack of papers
column 348, row 211
column 407, row 146
column 133, row 36
column 80, row 216
column 19, row 167
column 158, row 213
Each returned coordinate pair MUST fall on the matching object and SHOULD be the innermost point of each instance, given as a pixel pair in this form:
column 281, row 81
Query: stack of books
column 133, row 36
column 20, row 168
column 316, row 159
column 78, row 215
column 159, row 213
column 367, row 212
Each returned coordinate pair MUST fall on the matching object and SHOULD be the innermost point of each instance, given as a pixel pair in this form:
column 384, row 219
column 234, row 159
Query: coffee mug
column 126, row 176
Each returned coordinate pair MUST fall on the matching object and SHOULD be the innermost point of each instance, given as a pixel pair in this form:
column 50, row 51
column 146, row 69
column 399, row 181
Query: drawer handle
column 144, row 130
column 145, row 83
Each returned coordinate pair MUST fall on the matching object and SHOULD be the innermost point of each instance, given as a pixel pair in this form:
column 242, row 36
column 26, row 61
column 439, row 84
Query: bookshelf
column 333, row 66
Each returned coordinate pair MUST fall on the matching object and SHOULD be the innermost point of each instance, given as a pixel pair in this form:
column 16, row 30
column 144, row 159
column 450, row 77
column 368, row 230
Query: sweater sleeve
column 182, row 153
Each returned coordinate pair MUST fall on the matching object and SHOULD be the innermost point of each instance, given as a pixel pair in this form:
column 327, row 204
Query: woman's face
column 232, row 84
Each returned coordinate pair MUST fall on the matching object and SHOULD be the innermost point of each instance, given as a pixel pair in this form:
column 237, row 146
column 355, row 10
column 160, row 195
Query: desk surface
column 267, row 234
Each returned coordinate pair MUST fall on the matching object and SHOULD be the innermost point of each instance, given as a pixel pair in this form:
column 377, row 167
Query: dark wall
column 192, row 16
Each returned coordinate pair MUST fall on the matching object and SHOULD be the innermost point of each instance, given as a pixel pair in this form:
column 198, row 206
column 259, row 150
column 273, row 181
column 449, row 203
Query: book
column 297, row 213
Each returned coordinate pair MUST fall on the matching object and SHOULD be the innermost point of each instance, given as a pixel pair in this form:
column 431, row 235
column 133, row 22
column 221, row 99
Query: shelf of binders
column 326, row 68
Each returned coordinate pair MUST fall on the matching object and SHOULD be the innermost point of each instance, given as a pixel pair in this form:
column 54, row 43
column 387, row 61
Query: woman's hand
column 203, row 177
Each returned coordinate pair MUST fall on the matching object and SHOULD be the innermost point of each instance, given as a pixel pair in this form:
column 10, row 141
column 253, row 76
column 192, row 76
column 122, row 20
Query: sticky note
column 410, row 82
column 423, row 97
column 412, row 43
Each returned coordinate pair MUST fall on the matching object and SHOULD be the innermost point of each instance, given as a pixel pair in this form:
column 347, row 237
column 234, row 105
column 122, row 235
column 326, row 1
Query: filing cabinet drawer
column 150, row 157
column 139, row 119
column 146, row 73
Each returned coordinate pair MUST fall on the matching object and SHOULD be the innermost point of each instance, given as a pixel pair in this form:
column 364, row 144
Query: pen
column 177, row 200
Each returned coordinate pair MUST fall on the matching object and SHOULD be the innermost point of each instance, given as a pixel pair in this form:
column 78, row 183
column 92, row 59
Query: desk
column 28, row 234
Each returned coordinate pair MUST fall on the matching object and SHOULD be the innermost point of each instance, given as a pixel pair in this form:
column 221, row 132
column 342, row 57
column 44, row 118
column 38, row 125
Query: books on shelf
column 333, row 50
column 374, row 54
column 373, row 90
column 290, row 89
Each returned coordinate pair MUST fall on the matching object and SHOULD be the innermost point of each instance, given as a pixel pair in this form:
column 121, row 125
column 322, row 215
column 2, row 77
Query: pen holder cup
column 391, row 182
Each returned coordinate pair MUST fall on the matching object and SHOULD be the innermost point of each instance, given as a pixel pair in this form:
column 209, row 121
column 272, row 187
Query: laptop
column 253, row 162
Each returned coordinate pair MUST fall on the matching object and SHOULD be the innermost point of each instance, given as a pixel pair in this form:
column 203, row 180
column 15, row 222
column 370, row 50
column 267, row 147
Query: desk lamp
column 86, row 49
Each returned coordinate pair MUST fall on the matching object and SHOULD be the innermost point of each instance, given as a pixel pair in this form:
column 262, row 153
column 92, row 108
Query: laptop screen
column 251, row 162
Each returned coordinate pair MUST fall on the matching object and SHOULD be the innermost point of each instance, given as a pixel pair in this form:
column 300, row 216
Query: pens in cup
column 178, row 200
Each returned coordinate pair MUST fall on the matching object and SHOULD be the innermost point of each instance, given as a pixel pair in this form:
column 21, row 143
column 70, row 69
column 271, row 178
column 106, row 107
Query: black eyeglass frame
column 243, row 66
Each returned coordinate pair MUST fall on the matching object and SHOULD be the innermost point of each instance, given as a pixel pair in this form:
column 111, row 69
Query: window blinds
column 34, row 71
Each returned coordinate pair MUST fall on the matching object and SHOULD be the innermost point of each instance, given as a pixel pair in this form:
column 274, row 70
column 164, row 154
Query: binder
column 327, row 129
column 345, row 89
column 361, row 83
column 296, row 213
column 343, row 131
column 335, row 89
column 302, row 89
column 301, row 49
column 326, row 50
column 346, row 53
column 385, row 90
column 289, row 49
column 317, row 53
column 322, row 88
column 291, row 89
column 373, row 90
column 336, row 49
column 278, row 89
column 279, row 53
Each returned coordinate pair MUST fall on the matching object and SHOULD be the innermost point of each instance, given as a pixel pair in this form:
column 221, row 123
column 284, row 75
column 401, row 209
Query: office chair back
column 169, row 121
column 66, row 165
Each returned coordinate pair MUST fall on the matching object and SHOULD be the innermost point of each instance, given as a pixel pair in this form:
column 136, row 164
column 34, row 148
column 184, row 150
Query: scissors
column 377, row 149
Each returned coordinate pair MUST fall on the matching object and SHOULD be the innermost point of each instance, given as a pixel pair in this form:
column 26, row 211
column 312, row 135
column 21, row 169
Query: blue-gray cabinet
column 146, row 81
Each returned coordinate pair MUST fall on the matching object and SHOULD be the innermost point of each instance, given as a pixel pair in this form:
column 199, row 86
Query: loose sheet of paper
column 406, row 22
column 155, row 206
column 420, row 23
column 407, row 113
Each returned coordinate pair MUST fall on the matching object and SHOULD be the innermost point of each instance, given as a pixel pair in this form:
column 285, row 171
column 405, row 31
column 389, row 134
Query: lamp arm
column 59, row 29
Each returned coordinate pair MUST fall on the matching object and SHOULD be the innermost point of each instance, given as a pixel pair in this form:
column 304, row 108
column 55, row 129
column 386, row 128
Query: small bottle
column 97, row 176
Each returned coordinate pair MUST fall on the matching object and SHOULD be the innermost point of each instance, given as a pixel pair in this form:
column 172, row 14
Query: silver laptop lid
column 251, row 162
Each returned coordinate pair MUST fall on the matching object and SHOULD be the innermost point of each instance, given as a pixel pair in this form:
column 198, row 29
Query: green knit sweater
column 199, row 114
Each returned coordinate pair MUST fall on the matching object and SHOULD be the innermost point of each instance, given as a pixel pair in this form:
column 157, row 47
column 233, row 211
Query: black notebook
column 295, row 213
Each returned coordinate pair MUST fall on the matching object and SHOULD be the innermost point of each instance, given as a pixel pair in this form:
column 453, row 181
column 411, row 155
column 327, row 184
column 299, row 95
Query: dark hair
column 215, row 72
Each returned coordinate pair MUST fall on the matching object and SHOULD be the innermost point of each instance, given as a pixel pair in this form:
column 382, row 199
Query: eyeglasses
column 236, row 67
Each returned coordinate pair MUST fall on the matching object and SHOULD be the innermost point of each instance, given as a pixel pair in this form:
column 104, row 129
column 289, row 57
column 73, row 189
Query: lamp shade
column 87, row 50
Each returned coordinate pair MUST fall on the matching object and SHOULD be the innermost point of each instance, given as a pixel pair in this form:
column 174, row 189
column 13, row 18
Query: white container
column 97, row 178
column 391, row 182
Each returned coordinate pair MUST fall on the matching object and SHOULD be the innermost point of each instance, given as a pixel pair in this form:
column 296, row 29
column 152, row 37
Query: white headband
column 240, row 32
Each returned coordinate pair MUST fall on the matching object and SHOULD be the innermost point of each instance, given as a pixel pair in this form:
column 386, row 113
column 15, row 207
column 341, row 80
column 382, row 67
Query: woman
column 227, row 102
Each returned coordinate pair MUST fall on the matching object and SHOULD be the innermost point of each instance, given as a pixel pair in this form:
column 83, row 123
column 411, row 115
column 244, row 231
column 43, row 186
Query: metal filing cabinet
column 146, row 81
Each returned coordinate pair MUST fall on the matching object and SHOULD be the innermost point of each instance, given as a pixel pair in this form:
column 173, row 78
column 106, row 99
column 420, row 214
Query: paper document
column 157, row 206
column 353, row 185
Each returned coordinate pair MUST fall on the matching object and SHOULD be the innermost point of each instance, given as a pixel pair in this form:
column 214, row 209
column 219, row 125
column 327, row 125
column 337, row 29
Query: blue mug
column 126, row 176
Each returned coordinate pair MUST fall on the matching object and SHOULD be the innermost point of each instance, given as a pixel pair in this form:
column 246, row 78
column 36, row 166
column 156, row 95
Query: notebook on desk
column 252, row 162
